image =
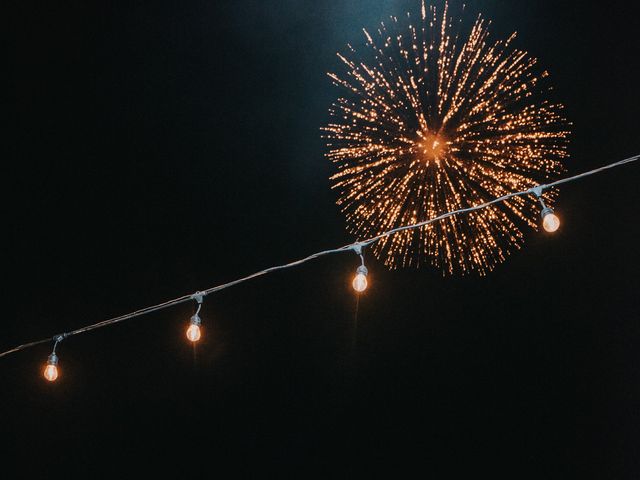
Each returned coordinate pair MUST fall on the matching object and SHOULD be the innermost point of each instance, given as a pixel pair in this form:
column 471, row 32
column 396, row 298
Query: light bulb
column 51, row 373
column 550, row 221
column 360, row 280
column 51, row 370
column 193, row 332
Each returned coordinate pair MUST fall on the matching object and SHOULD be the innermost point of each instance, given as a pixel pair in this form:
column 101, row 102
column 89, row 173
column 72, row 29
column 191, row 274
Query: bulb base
column 53, row 359
column 546, row 211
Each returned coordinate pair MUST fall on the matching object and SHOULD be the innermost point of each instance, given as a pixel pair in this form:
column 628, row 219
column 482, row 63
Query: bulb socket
column 363, row 270
column 53, row 359
column 546, row 211
column 195, row 320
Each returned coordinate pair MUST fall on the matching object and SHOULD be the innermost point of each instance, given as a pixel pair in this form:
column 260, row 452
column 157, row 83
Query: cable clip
column 53, row 358
column 537, row 191
column 357, row 247
column 198, row 297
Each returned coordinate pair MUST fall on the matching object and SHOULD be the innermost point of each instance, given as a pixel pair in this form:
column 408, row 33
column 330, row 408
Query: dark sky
column 157, row 148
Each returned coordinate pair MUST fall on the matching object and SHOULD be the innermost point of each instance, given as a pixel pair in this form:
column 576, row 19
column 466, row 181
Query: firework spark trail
column 434, row 121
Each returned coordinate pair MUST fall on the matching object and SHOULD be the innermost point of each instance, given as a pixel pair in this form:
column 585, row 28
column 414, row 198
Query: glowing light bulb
column 51, row 370
column 51, row 373
column 360, row 280
column 550, row 221
column 193, row 332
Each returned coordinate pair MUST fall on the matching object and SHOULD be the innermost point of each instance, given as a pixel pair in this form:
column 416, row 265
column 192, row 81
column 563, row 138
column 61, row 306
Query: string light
column 550, row 221
column 193, row 332
column 51, row 372
column 51, row 369
column 360, row 280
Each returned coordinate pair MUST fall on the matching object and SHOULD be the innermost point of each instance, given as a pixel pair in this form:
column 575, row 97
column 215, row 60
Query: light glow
column 551, row 222
column 193, row 333
column 51, row 372
column 359, row 282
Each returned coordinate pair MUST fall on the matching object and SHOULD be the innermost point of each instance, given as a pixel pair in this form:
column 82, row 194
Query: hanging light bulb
column 360, row 280
column 51, row 370
column 193, row 332
column 550, row 221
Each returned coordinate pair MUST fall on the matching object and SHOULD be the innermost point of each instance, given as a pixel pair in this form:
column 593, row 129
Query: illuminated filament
column 193, row 332
column 360, row 279
column 51, row 369
column 550, row 221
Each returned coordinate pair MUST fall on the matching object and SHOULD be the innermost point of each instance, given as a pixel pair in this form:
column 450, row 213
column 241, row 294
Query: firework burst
column 435, row 120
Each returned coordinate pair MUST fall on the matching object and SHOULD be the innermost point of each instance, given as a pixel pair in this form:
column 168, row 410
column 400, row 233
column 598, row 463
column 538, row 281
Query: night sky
column 158, row 148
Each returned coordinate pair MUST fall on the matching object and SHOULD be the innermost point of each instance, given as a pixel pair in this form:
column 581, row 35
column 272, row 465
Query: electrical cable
column 356, row 247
